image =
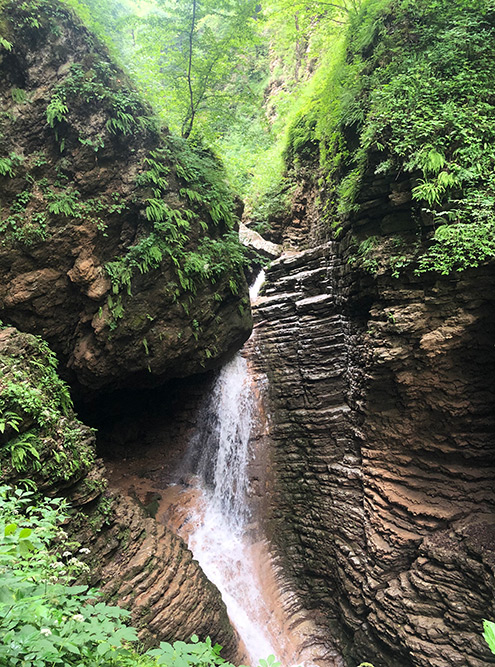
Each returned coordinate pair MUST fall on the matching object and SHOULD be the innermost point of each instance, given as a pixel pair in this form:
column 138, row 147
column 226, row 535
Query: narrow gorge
column 303, row 469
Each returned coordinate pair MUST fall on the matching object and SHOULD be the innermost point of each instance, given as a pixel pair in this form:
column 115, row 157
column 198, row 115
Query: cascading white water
column 218, row 540
column 224, row 452
column 256, row 286
column 218, row 455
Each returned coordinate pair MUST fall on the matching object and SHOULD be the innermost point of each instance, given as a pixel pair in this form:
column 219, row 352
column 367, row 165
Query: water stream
column 218, row 536
column 216, row 520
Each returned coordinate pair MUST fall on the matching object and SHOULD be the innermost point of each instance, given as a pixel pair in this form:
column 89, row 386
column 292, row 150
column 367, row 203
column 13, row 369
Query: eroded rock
column 381, row 401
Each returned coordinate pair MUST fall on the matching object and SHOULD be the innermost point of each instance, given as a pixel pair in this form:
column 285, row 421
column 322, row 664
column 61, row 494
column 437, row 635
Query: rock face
column 113, row 233
column 381, row 396
column 137, row 561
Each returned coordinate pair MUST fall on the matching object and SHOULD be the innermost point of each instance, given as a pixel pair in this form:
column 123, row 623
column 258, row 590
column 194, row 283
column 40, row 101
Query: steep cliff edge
column 137, row 561
column 378, row 345
column 119, row 242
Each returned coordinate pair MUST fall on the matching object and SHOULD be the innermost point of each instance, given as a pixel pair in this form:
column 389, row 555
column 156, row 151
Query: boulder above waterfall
column 118, row 241
column 252, row 239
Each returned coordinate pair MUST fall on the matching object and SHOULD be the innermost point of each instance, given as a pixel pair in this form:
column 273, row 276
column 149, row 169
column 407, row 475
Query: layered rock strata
column 137, row 561
column 382, row 412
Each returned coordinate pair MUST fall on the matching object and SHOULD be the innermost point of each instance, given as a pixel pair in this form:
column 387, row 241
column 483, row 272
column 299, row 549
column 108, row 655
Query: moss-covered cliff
column 119, row 242
column 378, row 339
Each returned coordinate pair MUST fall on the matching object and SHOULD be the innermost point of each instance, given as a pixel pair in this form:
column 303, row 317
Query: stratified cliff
column 137, row 562
column 377, row 341
column 382, row 419
column 119, row 241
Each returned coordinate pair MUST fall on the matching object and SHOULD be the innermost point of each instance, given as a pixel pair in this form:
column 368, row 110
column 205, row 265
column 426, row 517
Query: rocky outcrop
column 135, row 559
column 117, row 240
column 381, row 400
column 251, row 239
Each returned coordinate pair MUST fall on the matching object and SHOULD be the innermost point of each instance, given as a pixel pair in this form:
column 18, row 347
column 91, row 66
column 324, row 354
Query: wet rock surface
column 382, row 421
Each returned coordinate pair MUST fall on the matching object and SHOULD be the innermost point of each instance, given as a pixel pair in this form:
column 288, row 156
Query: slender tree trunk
column 190, row 121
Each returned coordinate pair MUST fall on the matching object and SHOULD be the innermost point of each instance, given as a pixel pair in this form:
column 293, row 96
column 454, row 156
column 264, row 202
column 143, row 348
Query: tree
column 194, row 54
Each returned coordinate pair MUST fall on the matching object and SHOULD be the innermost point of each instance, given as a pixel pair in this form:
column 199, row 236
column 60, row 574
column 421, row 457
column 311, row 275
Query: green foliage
column 190, row 56
column 8, row 164
column 99, row 85
column 206, row 203
column 409, row 91
column 56, row 110
column 38, row 432
column 489, row 634
column 35, row 389
column 459, row 246
column 26, row 224
column 19, row 95
column 9, row 419
column 47, row 619
column 24, row 452
column 4, row 43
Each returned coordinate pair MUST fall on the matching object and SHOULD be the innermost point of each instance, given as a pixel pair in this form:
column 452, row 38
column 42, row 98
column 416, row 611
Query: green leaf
column 489, row 634
column 11, row 528
column 103, row 648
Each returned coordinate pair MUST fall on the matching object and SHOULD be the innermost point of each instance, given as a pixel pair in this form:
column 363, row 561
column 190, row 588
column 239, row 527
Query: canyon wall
column 382, row 404
column 118, row 240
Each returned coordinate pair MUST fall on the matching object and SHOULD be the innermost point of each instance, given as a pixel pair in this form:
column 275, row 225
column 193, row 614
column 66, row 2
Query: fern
column 65, row 203
column 5, row 44
column 156, row 210
column 192, row 195
column 56, row 111
column 123, row 123
column 8, row 164
column 23, row 450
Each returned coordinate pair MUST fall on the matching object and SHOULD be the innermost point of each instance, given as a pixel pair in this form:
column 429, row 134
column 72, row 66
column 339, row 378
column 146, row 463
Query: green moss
column 39, row 433
column 409, row 91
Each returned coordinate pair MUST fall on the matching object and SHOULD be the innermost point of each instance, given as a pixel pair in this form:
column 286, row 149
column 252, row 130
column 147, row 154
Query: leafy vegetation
column 206, row 201
column 48, row 618
column 190, row 59
column 8, row 164
column 408, row 91
column 39, row 435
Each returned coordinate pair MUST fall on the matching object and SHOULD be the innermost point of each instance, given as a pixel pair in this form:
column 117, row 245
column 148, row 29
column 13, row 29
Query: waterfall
column 218, row 525
column 218, row 540
column 226, row 428
column 218, row 456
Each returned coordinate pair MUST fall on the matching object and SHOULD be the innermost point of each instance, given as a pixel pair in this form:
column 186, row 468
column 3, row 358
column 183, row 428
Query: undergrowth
column 410, row 92
column 48, row 617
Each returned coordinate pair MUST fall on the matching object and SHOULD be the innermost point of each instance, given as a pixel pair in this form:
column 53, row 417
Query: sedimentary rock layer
column 381, row 401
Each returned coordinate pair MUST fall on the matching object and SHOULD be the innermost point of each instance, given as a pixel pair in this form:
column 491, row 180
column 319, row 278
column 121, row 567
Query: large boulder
column 118, row 241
